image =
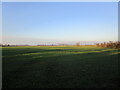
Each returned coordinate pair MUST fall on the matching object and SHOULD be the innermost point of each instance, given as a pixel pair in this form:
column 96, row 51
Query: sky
column 59, row 22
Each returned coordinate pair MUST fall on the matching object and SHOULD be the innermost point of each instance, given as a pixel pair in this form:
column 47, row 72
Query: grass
column 59, row 67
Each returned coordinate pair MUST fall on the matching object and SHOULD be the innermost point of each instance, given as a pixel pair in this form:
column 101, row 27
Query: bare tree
column 77, row 44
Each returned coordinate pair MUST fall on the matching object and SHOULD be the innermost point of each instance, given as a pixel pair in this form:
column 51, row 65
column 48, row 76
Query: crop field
column 59, row 67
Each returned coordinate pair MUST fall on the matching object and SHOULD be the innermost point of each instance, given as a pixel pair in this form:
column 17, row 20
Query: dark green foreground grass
column 59, row 67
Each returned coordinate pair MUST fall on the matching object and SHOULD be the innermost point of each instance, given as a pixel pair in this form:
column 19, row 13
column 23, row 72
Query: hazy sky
column 25, row 23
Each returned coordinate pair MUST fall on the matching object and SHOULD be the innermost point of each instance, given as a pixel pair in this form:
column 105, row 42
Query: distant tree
column 0, row 44
column 8, row 45
column 109, row 44
column 77, row 44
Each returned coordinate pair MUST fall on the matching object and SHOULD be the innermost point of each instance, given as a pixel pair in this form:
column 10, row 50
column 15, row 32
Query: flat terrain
column 59, row 67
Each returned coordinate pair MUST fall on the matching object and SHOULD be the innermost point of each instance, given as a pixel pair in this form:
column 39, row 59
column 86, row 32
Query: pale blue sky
column 68, row 21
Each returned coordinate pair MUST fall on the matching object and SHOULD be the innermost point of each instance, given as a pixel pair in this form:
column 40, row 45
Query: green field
column 59, row 67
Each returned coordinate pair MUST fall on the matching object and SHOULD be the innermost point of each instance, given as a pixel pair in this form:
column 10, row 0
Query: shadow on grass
column 76, row 70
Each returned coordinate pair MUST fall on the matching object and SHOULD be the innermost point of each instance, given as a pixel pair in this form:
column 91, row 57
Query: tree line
column 109, row 44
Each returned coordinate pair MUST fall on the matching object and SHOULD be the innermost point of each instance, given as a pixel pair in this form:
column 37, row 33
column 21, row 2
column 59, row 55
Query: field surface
column 59, row 67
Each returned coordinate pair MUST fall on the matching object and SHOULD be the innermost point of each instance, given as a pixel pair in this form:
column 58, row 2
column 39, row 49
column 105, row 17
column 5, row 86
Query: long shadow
column 77, row 70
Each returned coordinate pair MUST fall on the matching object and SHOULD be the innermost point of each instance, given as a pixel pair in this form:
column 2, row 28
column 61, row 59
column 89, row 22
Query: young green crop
column 59, row 67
